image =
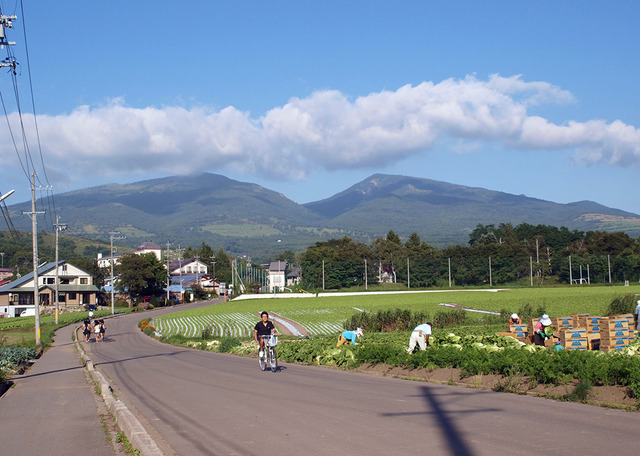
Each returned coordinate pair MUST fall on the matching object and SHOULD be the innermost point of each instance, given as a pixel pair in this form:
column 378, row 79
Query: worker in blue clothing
column 349, row 336
column 420, row 336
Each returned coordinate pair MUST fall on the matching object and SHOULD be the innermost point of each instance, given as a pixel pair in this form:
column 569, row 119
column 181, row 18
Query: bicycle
column 269, row 356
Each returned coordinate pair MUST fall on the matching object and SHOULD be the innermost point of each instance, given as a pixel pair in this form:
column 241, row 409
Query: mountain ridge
column 244, row 217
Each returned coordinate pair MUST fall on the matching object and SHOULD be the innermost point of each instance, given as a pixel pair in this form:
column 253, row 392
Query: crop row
column 230, row 325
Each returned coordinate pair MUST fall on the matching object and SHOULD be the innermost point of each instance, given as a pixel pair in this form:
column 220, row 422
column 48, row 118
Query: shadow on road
column 436, row 397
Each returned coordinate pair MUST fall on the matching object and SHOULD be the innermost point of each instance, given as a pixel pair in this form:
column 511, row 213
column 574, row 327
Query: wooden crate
column 585, row 321
column 613, row 323
column 619, row 342
column 517, row 328
column 616, row 333
column 576, row 344
column 576, row 318
column 562, row 322
column 573, row 333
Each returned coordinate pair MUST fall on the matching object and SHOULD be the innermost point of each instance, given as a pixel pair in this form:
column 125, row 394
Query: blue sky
column 308, row 98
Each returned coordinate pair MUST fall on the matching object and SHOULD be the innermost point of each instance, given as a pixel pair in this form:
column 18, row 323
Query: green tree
column 141, row 275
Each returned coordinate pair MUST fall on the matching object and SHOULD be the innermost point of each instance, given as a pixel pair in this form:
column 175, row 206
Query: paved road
column 195, row 402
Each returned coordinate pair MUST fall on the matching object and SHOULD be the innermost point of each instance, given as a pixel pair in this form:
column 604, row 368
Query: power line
column 35, row 117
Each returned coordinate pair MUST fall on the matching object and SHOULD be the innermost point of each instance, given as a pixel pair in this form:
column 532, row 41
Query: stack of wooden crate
column 615, row 333
column 574, row 339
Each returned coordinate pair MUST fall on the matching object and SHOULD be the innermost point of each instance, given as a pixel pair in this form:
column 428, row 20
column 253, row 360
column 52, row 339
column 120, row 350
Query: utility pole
column 59, row 227
column 180, row 264
column 34, row 228
column 197, row 258
column 6, row 21
column 113, row 235
column 168, row 273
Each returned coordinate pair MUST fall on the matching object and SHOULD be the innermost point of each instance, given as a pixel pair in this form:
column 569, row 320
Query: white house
column 145, row 247
column 75, row 288
column 188, row 266
column 277, row 279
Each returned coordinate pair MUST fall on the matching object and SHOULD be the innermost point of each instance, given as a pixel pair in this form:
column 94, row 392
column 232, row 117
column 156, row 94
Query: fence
column 492, row 271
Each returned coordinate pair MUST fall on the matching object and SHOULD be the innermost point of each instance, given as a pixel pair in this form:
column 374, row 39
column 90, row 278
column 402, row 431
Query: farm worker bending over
column 420, row 336
column 636, row 316
column 349, row 336
column 263, row 328
column 515, row 319
column 539, row 334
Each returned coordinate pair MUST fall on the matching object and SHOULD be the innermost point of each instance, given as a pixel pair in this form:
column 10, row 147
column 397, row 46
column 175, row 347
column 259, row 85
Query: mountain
column 443, row 213
column 247, row 218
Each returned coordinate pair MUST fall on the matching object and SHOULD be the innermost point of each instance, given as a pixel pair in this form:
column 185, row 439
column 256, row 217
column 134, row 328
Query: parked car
column 28, row 313
column 91, row 307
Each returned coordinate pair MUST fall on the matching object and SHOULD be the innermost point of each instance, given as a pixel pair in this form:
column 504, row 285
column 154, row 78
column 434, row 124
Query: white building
column 277, row 275
column 75, row 288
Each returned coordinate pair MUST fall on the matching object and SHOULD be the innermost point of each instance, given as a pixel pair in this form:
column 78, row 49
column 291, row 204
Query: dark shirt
column 264, row 330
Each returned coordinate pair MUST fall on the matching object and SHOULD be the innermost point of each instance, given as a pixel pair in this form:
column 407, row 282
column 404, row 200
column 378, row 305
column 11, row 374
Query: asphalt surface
column 194, row 402
column 197, row 402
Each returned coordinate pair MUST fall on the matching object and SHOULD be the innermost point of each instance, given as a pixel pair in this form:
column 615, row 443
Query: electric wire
column 52, row 210
column 26, row 158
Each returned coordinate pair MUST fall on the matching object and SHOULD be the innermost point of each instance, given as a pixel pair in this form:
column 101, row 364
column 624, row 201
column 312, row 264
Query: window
column 64, row 281
column 64, row 267
column 51, row 280
column 84, row 281
column 72, row 296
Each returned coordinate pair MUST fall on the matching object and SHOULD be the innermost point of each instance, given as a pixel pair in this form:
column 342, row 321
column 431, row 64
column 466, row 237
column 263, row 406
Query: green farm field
column 325, row 315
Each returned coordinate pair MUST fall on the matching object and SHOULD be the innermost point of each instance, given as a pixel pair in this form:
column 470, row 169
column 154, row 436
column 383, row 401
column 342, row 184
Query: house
column 75, row 288
column 105, row 262
column 5, row 273
column 149, row 247
column 276, row 276
column 293, row 277
column 188, row 266
column 145, row 247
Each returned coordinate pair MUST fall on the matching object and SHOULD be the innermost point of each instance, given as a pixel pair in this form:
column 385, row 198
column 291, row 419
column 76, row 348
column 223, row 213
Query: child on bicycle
column 263, row 328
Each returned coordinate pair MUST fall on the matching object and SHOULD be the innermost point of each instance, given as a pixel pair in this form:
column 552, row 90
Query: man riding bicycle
column 263, row 328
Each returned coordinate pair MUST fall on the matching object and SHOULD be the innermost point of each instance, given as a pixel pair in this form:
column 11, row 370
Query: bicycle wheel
column 273, row 359
column 262, row 360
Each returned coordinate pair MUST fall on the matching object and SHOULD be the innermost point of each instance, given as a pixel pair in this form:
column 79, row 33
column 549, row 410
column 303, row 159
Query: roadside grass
column 20, row 331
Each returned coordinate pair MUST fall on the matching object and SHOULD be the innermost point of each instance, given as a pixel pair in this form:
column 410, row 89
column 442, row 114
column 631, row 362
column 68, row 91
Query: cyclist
column 263, row 328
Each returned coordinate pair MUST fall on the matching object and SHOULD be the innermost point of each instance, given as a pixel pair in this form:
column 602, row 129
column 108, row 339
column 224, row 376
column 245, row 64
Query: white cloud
column 326, row 130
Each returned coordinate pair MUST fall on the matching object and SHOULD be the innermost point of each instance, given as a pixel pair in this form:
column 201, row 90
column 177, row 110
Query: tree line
column 501, row 254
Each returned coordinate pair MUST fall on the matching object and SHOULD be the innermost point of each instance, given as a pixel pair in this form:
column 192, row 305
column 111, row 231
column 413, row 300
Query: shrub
column 207, row 332
column 143, row 323
column 227, row 344
column 149, row 330
column 448, row 318
column 622, row 305
column 386, row 320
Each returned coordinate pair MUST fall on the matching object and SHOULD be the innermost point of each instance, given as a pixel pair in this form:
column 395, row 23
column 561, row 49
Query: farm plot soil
column 607, row 396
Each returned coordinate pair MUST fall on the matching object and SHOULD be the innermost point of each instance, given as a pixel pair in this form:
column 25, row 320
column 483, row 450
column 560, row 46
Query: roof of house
column 295, row 272
column 276, row 266
column 181, row 263
column 27, row 277
column 147, row 245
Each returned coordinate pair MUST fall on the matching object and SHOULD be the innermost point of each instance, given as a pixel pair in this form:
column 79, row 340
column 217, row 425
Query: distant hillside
column 247, row 218
column 444, row 214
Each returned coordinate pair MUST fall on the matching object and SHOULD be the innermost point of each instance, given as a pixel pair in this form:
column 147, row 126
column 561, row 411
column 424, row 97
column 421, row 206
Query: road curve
column 194, row 402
